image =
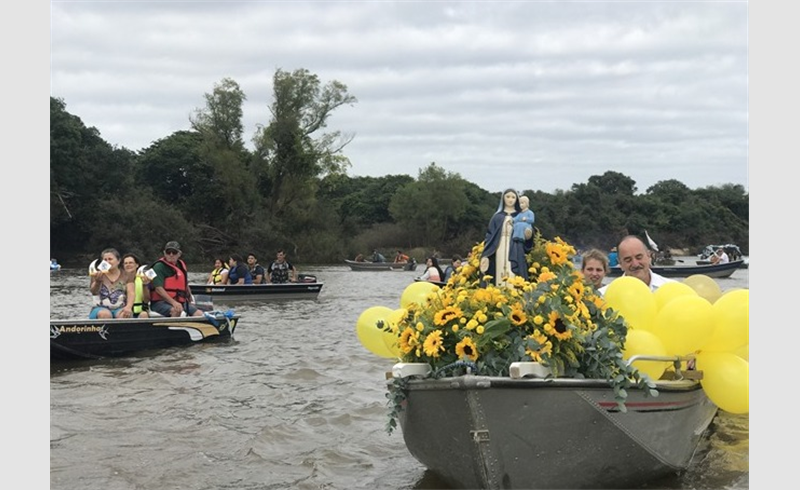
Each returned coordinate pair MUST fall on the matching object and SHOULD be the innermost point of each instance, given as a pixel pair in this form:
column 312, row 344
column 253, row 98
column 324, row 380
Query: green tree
column 288, row 159
column 614, row 183
column 430, row 206
column 84, row 169
column 220, row 121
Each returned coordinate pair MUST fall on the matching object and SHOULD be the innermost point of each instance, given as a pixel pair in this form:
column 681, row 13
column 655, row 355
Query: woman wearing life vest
column 400, row 258
column 141, row 300
column 171, row 295
column 220, row 273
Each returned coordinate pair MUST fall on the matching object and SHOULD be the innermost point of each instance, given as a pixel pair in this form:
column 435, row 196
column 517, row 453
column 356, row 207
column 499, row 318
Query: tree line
column 205, row 189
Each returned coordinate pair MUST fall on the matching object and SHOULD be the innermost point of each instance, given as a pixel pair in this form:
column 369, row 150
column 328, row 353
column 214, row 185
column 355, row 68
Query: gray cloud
column 532, row 94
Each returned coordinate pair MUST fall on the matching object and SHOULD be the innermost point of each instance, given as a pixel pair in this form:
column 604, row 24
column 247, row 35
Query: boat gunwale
column 472, row 382
column 119, row 321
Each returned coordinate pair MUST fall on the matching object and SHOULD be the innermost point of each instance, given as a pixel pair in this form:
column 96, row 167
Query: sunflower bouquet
column 469, row 327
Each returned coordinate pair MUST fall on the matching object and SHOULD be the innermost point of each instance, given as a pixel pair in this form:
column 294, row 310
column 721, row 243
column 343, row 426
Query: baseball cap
column 173, row 245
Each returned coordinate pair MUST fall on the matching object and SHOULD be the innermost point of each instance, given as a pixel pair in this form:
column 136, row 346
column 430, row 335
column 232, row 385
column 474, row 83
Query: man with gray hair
column 634, row 260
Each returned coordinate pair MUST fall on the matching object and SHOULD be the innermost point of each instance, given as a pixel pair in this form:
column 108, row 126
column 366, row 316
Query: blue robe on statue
column 517, row 250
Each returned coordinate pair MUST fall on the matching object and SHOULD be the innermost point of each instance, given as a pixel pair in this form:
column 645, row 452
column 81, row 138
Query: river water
column 293, row 402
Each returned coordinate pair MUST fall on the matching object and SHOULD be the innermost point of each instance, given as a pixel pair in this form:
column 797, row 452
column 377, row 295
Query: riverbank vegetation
column 204, row 188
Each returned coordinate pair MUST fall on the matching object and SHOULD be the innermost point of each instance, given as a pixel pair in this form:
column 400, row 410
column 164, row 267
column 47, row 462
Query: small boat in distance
column 715, row 270
column 358, row 265
column 101, row 338
column 733, row 251
column 231, row 293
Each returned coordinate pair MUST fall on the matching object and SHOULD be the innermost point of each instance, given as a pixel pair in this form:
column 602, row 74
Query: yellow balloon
column 370, row 335
column 726, row 380
column 670, row 291
column 704, row 286
column 731, row 314
column 642, row 342
column 391, row 338
column 633, row 300
column 684, row 325
column 743, row 352
column 417, row 292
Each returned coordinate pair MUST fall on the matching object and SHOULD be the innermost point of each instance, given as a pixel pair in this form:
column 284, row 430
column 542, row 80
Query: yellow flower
column 433, row 344
column 480, row 329
column 557, row 328
column 517, row 315
column 545, row 346
column 577, row 289
column 466, row 348
column 443, row 317
column 408, row 340
column 546, row 276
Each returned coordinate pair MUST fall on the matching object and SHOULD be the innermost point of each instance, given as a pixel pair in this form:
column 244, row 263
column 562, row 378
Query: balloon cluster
column 376, row 327
column 692, row 317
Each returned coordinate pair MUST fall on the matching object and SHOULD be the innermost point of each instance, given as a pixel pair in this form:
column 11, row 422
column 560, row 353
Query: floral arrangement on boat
column 471, row 327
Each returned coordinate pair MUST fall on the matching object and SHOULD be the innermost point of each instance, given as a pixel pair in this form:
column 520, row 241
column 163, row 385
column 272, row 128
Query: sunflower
column 576, row 289
column 409, row 339
column 466, row 349
column 545, row 347
column 433, row 344
column 445, row 316
column 556, row 253
column 517, row 315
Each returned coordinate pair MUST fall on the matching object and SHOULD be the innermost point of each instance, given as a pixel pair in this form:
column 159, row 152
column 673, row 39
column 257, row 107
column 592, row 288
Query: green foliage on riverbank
column 203, row 188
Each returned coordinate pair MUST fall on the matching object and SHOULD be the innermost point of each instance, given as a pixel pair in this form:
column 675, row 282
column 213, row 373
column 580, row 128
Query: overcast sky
column 531, row 95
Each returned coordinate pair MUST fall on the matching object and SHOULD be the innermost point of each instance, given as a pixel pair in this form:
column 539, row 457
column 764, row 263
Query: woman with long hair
column 141, row 291
column 433, row 273
column 112, row 288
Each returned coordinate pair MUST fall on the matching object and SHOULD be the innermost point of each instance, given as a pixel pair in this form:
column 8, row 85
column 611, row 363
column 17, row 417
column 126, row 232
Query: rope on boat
column 470, row 366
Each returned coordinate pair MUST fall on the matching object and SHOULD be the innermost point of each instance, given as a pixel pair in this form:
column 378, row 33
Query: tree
column 220, row 122
column 614, row 183
column 669, row 191
column 84, row 169
column 428, row 207
column 288, row 159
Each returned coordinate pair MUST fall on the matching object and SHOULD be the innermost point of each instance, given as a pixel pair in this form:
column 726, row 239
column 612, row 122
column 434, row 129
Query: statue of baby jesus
column 523, row 221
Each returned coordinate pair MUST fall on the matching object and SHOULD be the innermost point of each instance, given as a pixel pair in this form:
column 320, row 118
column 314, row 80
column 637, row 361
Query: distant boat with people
column 364, row 265
column 712, row 270
column 733, row 251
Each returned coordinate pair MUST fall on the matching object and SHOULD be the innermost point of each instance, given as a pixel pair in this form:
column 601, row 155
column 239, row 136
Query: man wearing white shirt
column 720, row 257
column 634, row 260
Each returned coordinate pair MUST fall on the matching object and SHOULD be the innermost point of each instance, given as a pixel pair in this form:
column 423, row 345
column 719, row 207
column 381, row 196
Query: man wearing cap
column 171, row 295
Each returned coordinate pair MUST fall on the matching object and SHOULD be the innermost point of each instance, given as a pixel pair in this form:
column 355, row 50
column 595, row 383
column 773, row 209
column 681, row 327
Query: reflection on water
column 294, row 401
